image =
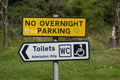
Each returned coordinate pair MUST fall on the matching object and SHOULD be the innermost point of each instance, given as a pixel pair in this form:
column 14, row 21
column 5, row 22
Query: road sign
column 54, row 51
column 54, row 27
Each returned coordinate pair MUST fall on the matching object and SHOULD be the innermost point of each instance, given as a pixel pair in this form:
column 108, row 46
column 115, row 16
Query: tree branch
column 2, row 17
column 3, row 4
column 1, row 12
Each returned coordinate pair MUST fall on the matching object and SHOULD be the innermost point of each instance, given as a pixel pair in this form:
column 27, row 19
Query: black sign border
column 57, row 59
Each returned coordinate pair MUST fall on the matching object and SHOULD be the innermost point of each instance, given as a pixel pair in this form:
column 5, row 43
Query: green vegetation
column 103, row 65
column 98, row 13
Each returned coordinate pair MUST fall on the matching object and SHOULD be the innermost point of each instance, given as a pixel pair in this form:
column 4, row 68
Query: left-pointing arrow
column 24, row 51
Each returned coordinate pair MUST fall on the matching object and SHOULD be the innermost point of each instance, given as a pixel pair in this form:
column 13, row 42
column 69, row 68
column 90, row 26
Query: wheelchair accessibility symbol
column 79, row 50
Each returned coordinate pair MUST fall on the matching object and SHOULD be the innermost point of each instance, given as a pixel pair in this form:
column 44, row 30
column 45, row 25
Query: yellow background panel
column 31, row 25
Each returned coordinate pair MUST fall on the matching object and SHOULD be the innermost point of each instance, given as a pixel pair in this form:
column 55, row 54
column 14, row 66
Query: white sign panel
column 54, row 51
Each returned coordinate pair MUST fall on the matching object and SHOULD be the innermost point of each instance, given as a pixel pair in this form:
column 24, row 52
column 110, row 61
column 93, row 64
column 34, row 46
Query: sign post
column 54, row 27
column 55, row 63
column 55, row 70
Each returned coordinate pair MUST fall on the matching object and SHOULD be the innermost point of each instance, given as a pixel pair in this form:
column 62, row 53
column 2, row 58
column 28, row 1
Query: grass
column 13, row 68
column 103, row 65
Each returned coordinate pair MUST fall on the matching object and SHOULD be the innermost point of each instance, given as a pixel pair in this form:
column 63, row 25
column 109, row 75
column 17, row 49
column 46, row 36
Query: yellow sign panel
column 72, row 27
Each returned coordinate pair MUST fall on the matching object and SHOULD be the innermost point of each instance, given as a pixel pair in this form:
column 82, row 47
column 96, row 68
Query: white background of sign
column 55, row 51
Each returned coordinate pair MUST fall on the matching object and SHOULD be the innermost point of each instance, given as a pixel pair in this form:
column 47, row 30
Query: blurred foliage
column 99, row 13
column 37, row 8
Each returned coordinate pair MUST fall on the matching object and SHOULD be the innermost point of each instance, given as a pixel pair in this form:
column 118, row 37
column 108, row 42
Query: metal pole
column 55, row 63
column 55, row 66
